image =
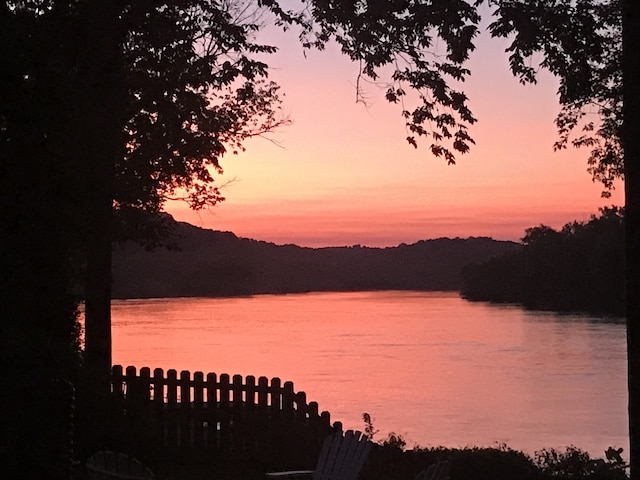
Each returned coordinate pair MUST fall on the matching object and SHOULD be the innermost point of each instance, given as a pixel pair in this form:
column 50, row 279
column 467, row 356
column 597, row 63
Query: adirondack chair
column 341, row 458
column 437, row 471
column 108, row 465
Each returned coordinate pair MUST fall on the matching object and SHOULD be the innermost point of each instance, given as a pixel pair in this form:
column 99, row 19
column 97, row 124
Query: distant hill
column 212, row 263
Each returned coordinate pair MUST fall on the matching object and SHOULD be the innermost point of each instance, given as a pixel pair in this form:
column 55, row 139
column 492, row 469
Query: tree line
column 578, row 268
column 213, row 263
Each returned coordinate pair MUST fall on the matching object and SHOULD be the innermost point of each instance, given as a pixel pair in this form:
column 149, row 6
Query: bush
column 574, row 463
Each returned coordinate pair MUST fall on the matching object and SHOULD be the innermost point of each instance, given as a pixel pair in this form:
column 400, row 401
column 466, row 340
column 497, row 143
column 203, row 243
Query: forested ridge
column 577, row 268
column 214, row 263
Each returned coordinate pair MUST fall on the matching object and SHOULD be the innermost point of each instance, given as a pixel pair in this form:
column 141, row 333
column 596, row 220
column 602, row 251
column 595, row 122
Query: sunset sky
column 344, row 173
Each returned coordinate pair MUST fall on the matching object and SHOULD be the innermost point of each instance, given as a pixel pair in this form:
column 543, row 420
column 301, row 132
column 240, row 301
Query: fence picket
column 117, row 381
column 302, row 409
column 287, row 399
column 198, row 410
column 263, row 392
column 211, row 431
column 186, row 419
column 158, row 407
column 276, row 394
column 225, row 419
column 250, row 389
column 172, row 421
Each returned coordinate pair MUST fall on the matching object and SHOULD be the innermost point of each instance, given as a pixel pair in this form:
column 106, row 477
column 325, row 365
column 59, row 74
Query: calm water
column 429, row 366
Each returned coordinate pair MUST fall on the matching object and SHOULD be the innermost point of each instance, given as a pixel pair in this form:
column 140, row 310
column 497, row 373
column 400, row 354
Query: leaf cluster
column 414, row 46
column 196, row 87
column 196, row 91
column 192, row 86
column 420, row 47
column 576, row 463
column 580, row 42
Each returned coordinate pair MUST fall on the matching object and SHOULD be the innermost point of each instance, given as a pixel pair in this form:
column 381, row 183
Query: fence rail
column 206, row 414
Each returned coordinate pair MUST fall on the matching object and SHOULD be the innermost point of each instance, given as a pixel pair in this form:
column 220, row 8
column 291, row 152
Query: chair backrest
column 437, row 471
column 108, row 465
column 342, row 456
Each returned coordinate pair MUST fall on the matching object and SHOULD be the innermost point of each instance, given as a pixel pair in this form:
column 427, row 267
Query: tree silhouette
column 105, row 106
column 122, row 143
column 577, row 268
column 168, row 89
column 631, row 145
column 193, row 91
column 39, row 195
column 423, row 45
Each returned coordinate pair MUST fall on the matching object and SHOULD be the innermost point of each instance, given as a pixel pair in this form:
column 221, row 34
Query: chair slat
column 345, row 457
column 436, row 471
column 341, row 458
column 107, row 465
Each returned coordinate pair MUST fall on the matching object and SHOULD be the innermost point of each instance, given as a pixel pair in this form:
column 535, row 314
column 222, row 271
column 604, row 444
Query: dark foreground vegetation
column 578, row 268
column 213, row 263
column 390, row 460
column 473, row 463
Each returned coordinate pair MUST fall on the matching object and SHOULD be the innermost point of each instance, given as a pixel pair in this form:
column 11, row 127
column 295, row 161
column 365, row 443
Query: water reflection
column 430, row 366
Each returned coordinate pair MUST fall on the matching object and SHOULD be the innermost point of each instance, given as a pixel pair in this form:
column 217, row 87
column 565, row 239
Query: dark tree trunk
column 98, row 284
column 101, row 94
column 38, row 348
column 103, row 133
column 631, row 143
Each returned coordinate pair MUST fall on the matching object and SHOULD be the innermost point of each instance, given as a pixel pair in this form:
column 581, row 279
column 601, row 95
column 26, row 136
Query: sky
column 343, row 174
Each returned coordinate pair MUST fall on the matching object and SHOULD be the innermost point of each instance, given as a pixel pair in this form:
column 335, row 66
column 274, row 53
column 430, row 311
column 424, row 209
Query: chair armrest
column 290, row 473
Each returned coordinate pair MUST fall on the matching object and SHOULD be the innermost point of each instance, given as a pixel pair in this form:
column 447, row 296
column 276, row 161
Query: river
column 429, row 366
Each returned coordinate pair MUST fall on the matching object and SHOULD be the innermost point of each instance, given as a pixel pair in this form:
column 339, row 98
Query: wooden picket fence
column 204, row 415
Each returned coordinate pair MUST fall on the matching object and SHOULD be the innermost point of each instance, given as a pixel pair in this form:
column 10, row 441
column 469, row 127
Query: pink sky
column 345, row 175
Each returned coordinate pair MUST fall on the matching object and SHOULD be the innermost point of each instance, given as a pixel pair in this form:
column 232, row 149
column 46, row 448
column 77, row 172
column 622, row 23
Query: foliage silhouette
column 89, row 121
column 193, row 90
column 391, row 459
column 578, row 268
